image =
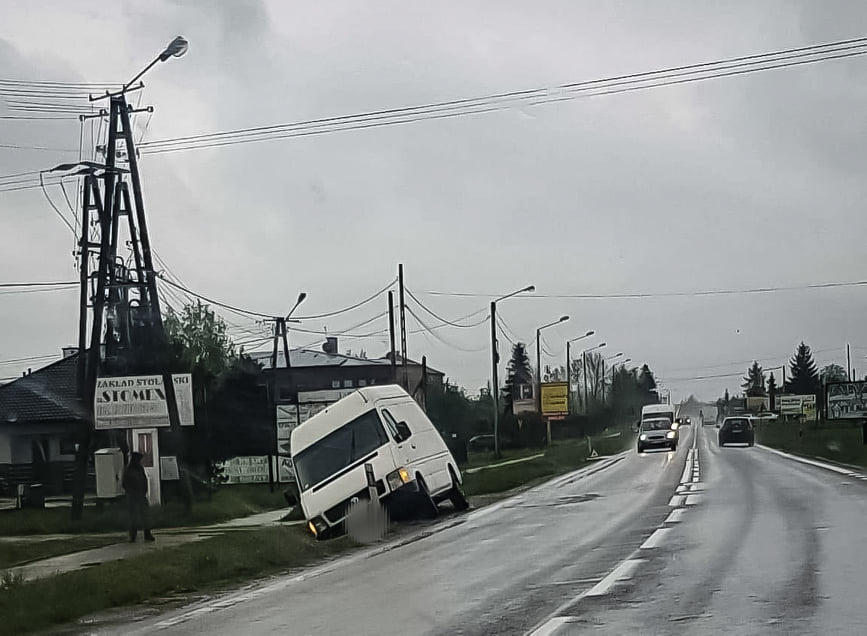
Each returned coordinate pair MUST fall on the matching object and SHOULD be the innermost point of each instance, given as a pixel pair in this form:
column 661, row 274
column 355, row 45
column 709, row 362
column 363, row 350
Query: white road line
column 656, row 539
column 551, row 626
column 811, row 462
column 676, row 501
column 691, row 500
column 622, row 572
column 675, row 515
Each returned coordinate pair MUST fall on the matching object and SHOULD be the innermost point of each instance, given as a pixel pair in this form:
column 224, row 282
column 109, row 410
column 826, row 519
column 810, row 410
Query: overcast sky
column 743, row 182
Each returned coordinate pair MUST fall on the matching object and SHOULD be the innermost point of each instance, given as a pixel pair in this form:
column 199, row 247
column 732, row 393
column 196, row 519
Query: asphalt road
column 703, row 540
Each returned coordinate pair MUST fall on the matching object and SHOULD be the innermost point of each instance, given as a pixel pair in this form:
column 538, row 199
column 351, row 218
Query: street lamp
column 539, row 359
column 495, row 360
column 604, row 360
column 175, row 48
column 623, row 363
column 584, row 367
column 569, row 363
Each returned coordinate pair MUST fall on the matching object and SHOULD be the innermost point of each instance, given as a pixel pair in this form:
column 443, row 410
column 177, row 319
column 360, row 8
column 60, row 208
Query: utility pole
column 569, row 375
column 402, row 327
column 495, row 379
column 849, row 363
column 391, row 336
column 584, row 373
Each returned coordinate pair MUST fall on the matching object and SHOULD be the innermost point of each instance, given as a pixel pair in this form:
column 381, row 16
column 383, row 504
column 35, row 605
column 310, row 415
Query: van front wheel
column 456, row 494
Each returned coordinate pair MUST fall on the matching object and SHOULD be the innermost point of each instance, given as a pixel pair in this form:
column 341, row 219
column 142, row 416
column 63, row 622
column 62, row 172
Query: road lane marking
column 811, row 462
column 676, row 501
column 675, row 515
column 552, row 625
column 656, row 539
column 691, row 500
column 622, row 572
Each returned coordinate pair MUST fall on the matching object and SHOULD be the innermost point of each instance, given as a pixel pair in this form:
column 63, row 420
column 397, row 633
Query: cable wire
column 443, row 320
column 337, row 312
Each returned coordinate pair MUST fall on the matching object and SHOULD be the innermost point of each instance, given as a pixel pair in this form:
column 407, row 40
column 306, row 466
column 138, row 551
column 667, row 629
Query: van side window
column 390, row 424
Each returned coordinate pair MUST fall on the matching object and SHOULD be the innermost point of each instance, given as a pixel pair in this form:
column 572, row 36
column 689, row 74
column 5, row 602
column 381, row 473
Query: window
column 335, row 384
column 390, row 424
column 339, row 449
column 347, row 384
column 362, row 382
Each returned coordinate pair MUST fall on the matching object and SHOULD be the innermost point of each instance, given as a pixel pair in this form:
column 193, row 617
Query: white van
column 655, row 411
column 378, row 425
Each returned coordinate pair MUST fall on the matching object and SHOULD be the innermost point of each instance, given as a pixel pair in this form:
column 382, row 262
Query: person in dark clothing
column 135, row 485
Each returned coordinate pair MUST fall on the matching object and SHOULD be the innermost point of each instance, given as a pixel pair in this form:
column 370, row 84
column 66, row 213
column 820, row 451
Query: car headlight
column 671, row 434
column 642, row 437
column 398, row 478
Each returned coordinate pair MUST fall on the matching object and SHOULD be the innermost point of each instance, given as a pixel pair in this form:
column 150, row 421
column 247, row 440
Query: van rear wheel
column 427, row 507
column 456, row 494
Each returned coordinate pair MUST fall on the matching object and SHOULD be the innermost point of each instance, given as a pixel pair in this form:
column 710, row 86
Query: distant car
column 657, row 433
column 736, row 430
column 481, row 443
column 684, row 421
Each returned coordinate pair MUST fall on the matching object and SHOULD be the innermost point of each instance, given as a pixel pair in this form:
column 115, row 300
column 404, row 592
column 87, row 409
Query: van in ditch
column 383, row 426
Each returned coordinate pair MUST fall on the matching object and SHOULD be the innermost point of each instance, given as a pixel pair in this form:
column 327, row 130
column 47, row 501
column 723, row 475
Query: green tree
column 200, row 339
column 804, row 378
column 754, row 382
column 833, row 373
column 772, row 391
column 518, row 373
column 647, row 384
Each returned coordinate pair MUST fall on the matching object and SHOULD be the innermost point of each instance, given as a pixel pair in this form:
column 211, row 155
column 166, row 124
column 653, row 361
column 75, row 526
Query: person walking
column 135, row 485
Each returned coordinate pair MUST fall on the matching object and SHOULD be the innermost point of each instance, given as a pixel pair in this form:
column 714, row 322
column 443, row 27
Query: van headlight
column 317, row 526
column 398, row 478
column 642, row 437
column 671, row 434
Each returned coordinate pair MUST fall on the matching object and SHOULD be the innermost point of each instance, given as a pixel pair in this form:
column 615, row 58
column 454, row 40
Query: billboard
column 246, row 470
column 523, row 400
column 555, row 399
column 140, row 401
column 797, row 405
column 846, row 400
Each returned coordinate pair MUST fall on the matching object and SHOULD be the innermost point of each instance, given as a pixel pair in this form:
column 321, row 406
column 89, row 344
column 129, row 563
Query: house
column 319, row 370
column 40, row 415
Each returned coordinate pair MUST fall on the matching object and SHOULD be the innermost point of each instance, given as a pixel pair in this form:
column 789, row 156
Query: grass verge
column 14, row 553
column 204, row 565
column 228, row 502
column 838, row 442
column 560, row 457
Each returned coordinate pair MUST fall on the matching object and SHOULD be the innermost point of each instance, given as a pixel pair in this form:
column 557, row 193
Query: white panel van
column 381, row 426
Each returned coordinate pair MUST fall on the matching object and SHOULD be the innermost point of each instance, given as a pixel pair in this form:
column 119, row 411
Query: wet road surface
column 699, row 541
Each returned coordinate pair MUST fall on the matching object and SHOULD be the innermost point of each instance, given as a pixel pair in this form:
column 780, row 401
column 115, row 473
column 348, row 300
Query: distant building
column 40, row 417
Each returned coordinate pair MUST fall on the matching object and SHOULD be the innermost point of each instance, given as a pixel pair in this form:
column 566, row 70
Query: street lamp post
column 584, row 369
column 622, row 363
column 569, row 363
column 495, row 360
column 604, row 360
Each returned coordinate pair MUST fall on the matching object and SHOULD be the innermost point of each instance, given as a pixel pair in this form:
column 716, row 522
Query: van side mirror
column 403, row 431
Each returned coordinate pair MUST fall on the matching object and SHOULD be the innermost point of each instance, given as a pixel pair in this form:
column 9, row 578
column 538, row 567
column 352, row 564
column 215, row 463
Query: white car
column 380, row 426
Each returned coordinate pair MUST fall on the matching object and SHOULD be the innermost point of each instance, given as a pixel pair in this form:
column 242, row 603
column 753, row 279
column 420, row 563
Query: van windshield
column 339, row 449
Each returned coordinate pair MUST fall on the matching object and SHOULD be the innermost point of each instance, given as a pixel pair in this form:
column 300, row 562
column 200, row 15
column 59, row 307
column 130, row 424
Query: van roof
column 340, row 413
column 657, row 408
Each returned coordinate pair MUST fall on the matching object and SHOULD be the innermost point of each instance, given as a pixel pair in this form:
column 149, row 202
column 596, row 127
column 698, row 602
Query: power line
column 28, row 359
column 428, row 330
column 351, row 307
column 469, row 106
column 450, row 323
column 238, row 310
column 671, row 294
column 38, row 284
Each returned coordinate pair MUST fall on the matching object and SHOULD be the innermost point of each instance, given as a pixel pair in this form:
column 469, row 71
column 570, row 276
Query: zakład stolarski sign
column 140, row 401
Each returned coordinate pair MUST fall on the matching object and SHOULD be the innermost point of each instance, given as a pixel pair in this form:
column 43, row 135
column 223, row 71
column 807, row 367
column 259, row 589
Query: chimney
column 330, row 345
column 69, row 351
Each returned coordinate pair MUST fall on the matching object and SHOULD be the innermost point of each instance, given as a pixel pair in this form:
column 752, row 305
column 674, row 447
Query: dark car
column 737, row 430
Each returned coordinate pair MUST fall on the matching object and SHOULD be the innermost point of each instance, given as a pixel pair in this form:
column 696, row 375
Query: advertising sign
column 846, row 400
column 146, row 442
column 169, row 468
column 523, row 401
column 246, row 470
column 797, row 405
column 140, row 401
column 555, row 399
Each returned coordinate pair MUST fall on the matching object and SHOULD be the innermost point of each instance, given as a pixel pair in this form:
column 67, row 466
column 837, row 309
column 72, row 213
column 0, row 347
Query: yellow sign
column 555, row 398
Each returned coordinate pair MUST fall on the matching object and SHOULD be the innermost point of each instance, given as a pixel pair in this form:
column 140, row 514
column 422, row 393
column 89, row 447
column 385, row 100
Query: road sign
column 846, row 400
column 555, row 399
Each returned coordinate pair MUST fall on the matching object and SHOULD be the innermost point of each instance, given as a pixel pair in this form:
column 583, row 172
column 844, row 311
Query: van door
column 425, row 450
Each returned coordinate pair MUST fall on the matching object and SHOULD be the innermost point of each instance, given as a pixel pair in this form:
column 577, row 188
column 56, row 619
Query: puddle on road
column 567, row 500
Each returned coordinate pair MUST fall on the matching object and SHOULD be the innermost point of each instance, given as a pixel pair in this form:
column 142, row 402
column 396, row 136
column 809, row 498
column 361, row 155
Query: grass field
column 559, row 458
column 227, row 503
column 204, row 565
column 836, row 441
column 14, row 553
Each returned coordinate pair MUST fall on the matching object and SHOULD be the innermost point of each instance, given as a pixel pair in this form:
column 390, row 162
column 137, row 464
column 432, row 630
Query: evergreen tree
column 804, row 378
column 772, row 391
column 518, row 372
column 754, row 382
column 647, row 384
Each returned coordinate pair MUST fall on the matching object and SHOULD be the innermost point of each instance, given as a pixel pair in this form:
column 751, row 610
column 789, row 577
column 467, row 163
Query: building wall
column 5, row 447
